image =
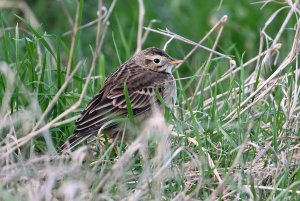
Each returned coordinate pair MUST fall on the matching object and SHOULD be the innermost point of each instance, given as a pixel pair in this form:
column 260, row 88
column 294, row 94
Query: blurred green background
column 189, row 18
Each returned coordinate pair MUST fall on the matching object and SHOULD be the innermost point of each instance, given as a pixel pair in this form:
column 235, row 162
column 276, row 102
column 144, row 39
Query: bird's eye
column 156, row 61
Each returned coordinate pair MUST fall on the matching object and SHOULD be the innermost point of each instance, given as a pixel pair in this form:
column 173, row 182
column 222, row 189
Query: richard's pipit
column 145, row 74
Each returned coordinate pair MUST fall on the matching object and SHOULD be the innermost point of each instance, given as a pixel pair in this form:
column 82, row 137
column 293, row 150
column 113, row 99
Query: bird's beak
column 176, row 62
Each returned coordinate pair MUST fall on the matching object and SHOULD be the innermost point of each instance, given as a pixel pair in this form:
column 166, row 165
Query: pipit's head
column 155, row 59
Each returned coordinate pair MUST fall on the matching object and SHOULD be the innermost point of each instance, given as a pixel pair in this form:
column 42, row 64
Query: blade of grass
column 128, row 103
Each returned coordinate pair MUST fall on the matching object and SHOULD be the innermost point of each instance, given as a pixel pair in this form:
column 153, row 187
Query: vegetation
column 233, row 133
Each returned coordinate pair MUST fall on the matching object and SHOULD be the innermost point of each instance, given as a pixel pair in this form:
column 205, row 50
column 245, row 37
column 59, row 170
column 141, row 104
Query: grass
column 233, row 133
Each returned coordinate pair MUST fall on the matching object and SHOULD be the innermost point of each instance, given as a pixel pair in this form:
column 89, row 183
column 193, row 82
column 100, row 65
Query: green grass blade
column 128, row 103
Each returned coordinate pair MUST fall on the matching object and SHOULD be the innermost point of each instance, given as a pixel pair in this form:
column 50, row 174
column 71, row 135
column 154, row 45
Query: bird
column 146, row 73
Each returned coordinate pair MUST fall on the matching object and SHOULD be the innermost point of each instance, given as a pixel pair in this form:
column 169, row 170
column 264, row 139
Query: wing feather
column 110, row 101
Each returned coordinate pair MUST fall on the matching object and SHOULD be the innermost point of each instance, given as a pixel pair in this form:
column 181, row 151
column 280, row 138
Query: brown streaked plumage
column 145, row 73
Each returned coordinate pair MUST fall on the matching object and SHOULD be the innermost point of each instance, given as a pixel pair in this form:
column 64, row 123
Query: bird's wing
column 110, row 102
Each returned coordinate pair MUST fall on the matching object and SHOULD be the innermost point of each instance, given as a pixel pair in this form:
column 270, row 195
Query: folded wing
column 110, row 104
